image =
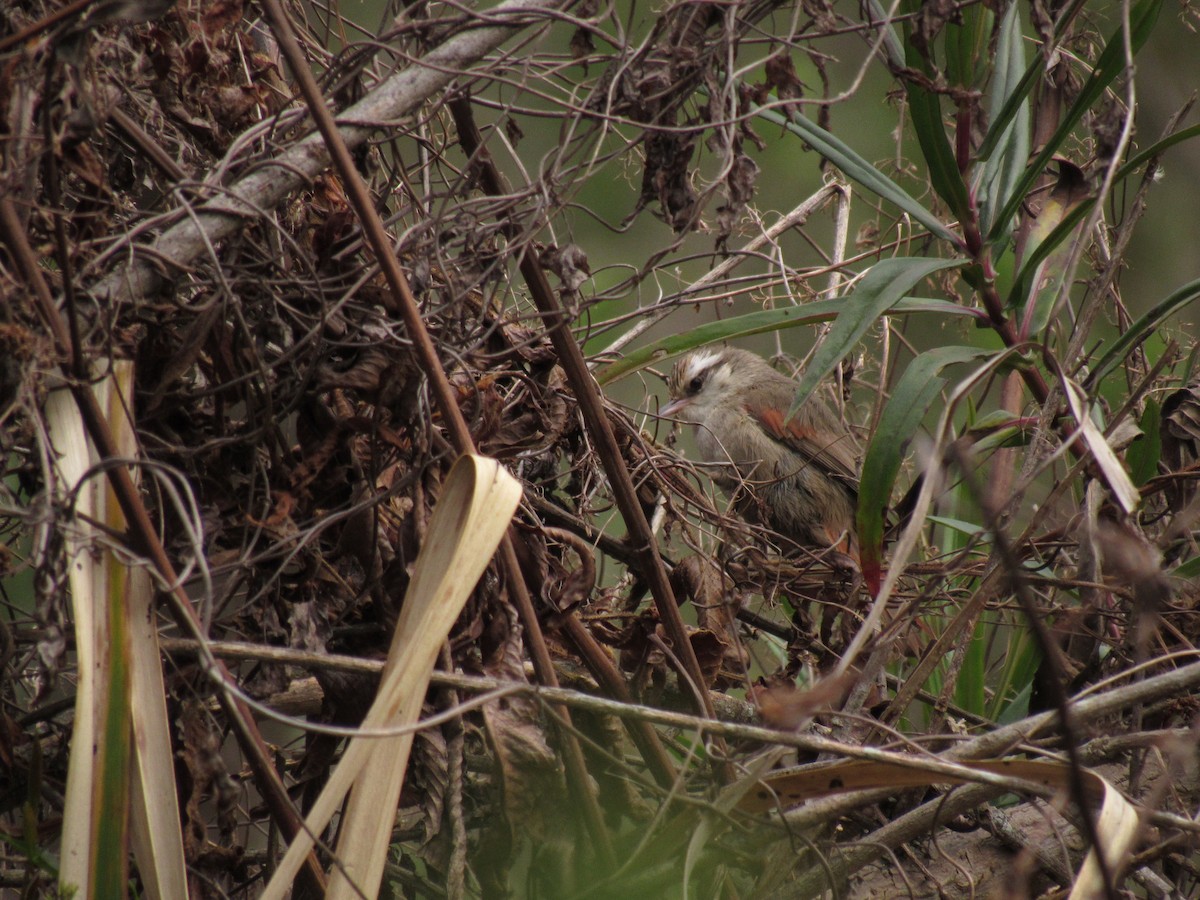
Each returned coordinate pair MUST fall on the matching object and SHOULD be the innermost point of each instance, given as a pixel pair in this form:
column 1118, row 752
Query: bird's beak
column 674, row 406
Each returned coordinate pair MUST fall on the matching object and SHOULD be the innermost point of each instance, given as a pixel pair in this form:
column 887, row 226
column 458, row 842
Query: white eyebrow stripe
column 700, row 362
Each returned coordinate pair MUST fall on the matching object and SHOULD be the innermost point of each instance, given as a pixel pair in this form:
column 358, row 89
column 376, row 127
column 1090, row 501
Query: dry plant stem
column 601, row 666
column 154, row 152
column 599, row 662
column 43, row 24
column 796, row 217
column 268, row 185
column 910, row 826
column 1000, row 826
column 1116, row 700
column 943, row 646
column 406, row 305
column 737, row 714
column 543, row 667
column 1175, row 683
column 1011, row 567
column 1004, row 460
column 144, row 539
column 919, row 822
column 1101, row 285
column 592, row 407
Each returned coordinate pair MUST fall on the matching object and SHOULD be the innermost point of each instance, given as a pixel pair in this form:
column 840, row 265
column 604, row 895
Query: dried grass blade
column 155, row 830
column 67, row 436
column 471, row 518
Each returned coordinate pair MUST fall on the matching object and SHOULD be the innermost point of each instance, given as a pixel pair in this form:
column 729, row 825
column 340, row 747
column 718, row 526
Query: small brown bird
column 798, row 476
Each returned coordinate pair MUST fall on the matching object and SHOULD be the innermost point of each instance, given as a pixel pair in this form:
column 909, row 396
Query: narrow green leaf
column 1156, row 149
column 111, row 853
column 1188, row 569
column 856, row 168
column 1034, row 259
column 967, row 529
column 1110, row 64
column 1012, row 692
column 1002, row 169
column 1020, row 94
column 1001, row 437
column 1046, row 280
column 1018, row 98
column 881, row 288
column 970, row 691
column 912, row 397
column 760, row 322
column 967, row 45
column 925, row 108
column 891, row 41
column 1143, row 455
column 1139, row 331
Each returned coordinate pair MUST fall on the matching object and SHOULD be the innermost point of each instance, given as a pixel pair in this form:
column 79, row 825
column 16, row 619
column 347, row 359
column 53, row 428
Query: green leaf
column 1067, row 225
column 1012, row 692
column 1140, row 330
column 1145, row 452
column 968, row 529
column 857, row 169
column 1020, row 93
column 891, row 42
column 970, row 690
column 1002, row 169
column 1110, row 64
column 925, row 109
column 765, row 320
column 1189, row 569
column 880, row 289
column 1001, row 437
column 967, row 45
column 1045, row 281
column 1156, row 149
column 912, row 397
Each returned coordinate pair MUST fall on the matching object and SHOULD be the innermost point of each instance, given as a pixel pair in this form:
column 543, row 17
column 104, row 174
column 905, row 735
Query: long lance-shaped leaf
column 95, row 832
column 880, row 289
column 1002, row 170
column 761, row 322
column 1140, row 330
column 110, row 831
column 1156, row 149
column 1110, row 64
column 925, row 109
column 913, row 528
column 1123, row 489
column 73, row 458
column 1020, row 94
column 911, row 399
column 857, row 169
column 1067, row 226
column 1045, row 281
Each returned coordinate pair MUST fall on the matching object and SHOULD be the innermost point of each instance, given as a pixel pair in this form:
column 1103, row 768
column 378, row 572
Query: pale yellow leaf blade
column 477, row 503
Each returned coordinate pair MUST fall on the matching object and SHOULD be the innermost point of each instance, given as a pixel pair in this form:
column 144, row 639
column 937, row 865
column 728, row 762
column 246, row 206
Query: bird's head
column 706, row 379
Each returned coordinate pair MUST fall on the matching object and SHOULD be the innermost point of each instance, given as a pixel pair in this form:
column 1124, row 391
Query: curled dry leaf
column 788, row 707
column 569, row 263
column 1181, row 443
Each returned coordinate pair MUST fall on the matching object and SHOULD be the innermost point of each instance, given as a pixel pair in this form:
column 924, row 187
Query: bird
column 799, row 475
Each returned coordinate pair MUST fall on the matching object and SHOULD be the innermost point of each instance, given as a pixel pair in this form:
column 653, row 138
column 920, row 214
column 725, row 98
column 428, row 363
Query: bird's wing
column 830, row 449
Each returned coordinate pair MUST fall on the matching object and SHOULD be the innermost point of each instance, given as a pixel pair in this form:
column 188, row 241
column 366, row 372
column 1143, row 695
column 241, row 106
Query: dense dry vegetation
column 244, row 350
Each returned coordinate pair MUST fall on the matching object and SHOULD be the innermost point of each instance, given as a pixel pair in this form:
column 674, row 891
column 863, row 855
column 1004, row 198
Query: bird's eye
column 695, row 384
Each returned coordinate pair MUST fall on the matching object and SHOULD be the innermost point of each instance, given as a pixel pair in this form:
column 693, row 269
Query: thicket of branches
column 306, row 322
